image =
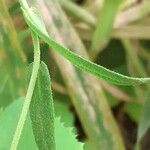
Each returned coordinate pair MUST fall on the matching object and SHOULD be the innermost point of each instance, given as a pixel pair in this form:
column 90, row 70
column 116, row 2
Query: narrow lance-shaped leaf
column 42, row 111
column 36, row 24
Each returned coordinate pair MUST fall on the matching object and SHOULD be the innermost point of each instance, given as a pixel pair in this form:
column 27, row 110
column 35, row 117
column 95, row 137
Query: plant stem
column 29, row 94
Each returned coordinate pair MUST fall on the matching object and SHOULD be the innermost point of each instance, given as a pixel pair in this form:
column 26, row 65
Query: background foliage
column 113, row 34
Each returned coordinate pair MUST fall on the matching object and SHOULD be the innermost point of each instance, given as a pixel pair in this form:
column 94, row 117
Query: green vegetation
column 83, row 105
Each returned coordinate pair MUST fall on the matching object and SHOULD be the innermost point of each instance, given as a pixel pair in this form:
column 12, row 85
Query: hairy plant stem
column 29, row 94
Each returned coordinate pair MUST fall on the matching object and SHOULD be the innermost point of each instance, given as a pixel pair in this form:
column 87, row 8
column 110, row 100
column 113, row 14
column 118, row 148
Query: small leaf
column 65, row 138
column 8, row 122
column 144, row 123
column 88, row 145
column 77, row 60
column 42, row 111
column 62, row 111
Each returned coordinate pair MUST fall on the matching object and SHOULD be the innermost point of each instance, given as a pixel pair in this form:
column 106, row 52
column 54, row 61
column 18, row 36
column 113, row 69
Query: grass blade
column 42, row 111
column 105, row 24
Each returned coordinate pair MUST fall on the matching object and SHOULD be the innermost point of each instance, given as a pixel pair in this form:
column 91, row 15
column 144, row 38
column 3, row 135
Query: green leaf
column 62, row 111
column 144, row 123
column 105, row 23
column 8, row 122
column 89, row 146
column 42, row 111
column 34, row 20
column 65, row 138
